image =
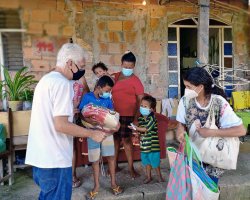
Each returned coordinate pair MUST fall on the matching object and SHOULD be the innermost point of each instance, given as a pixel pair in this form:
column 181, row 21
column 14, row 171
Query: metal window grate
column 9, row 19
column 11, row 41
column 12, row 50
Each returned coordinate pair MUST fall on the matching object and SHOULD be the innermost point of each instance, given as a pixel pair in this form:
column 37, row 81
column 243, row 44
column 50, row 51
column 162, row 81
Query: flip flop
column 76, row 183
column 117, row 190
column 91, row 195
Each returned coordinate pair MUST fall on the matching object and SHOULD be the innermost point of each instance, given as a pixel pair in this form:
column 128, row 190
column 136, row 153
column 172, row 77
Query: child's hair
column 199, row 76
column 104, row 81
column 151, row 100
column 128, row 57
column 99, row 65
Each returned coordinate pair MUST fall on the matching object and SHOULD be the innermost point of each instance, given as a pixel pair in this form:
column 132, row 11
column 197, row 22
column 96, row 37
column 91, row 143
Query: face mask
column 144, row 111
column 127, row 72
column 77, row 75
column 105, row 95
column 190, row 93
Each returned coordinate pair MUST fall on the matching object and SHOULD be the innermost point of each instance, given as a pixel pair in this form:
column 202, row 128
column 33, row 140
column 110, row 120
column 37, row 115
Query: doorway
column 182, row 51
column 188, row 51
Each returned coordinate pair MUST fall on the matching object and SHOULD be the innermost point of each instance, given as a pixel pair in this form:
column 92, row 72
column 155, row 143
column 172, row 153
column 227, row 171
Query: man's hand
column 98, row 136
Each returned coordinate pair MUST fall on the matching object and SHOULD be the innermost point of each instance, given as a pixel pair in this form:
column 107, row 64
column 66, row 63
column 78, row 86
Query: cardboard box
column 21, row 122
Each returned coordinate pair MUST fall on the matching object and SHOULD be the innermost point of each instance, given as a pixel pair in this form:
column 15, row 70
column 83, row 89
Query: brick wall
column 107, row 30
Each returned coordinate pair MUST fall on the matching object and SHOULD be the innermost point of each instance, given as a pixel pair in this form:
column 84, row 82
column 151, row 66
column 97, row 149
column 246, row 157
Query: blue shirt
column 90, row 98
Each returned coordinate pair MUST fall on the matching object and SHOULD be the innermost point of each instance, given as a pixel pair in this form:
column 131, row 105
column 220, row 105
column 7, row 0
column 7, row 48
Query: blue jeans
column 55, row 183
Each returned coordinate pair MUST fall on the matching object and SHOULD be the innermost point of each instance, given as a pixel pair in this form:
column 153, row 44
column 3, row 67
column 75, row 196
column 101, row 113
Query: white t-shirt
column 226, row 116
column 48, row 148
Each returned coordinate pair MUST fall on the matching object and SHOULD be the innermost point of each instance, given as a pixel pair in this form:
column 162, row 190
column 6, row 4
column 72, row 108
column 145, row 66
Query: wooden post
column 203, row 32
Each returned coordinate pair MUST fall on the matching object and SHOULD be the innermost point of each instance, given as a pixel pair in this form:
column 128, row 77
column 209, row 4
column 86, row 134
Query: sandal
column 91, row 195
column 76, row 183
column 117, row 190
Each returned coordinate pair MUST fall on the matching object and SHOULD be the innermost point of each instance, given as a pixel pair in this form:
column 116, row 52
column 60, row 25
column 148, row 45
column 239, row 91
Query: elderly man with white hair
column 50, row 142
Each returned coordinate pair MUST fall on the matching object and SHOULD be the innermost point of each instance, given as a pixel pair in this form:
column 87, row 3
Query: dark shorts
column 124, row 131
column 55, row 183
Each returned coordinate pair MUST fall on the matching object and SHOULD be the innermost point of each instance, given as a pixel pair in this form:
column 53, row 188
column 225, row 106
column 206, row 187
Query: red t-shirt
column 124, row 94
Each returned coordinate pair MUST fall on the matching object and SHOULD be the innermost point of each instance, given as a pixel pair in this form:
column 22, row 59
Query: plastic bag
column 108, row 120
column 203, row 187
column 2, row 138
column 179, row 183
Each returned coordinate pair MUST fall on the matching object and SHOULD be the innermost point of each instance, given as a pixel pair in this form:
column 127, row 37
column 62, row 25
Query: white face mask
column 190, row 93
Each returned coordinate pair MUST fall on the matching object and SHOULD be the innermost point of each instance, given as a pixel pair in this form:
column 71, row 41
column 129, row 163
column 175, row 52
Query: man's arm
column 64, row 126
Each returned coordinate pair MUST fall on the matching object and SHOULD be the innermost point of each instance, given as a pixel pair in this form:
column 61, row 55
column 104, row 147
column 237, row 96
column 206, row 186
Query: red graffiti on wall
column 45, row 47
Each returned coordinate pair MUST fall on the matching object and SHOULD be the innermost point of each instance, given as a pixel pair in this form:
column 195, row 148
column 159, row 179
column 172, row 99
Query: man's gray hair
column 70, row 51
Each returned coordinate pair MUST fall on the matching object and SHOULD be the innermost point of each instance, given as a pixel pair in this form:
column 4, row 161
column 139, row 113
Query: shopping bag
column 203, row 187
column 179, row 183
column 172, row 152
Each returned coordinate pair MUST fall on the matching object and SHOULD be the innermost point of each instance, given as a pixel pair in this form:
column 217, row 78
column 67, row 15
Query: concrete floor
column 235, row 185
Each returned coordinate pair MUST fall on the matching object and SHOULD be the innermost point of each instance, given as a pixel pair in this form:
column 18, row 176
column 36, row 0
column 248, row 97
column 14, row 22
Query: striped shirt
column 149, row 141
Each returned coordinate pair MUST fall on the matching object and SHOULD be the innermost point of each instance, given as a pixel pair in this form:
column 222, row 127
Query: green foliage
column 1, row 89
column 27, row 95
column 16, row 86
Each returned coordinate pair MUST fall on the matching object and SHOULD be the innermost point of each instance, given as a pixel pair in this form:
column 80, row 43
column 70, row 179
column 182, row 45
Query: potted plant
column 15, row 86
column 27, row 97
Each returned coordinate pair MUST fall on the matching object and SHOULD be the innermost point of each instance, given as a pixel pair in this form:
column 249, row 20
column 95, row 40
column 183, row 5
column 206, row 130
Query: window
column 11, row 55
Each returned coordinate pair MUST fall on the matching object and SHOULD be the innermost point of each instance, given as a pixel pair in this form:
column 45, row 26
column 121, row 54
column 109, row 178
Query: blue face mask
column 144, row 111
column 127, row 72
column 105, row 95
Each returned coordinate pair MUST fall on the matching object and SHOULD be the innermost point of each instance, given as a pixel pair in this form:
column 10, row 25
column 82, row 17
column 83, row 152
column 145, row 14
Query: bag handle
column 208, row 124
column 192, row 152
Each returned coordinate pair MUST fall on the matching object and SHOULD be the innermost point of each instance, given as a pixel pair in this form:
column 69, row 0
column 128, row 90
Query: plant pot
column 15, row 105
column 27, row 105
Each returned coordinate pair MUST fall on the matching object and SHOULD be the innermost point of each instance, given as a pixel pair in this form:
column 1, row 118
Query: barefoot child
column 101, row 97
column 149, row 141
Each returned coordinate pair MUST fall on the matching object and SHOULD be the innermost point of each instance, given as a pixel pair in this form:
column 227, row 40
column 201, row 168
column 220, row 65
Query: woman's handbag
column 221, row 152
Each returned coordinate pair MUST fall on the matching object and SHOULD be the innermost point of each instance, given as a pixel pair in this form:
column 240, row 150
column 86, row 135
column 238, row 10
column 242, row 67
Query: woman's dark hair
column 104, row 81
column 99, row 65
column 199, row 76
column 129, row 57
column 151, row 100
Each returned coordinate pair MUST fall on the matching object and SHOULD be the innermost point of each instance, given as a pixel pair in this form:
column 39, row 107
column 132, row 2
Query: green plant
column 27, row 95
column 1, row 90
column 17, row 85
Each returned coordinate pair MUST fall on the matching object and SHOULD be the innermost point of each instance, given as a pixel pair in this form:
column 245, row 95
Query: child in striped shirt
column 149, row 141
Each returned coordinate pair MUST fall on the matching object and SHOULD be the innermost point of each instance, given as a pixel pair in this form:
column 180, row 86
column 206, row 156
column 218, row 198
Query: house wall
column 107, row 30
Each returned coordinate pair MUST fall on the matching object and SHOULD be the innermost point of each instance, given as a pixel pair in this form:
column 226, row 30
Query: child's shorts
column 151, row 158
column 105, row 148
